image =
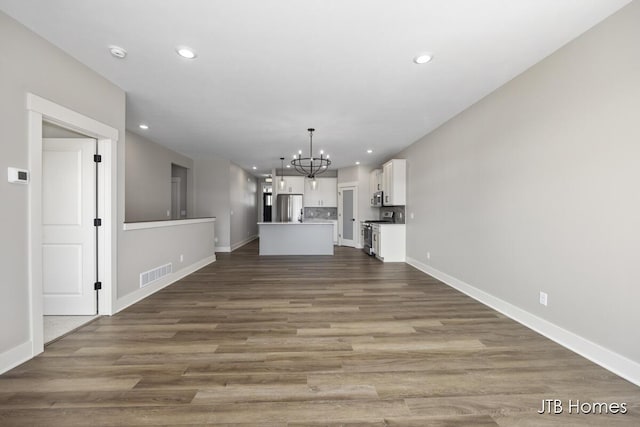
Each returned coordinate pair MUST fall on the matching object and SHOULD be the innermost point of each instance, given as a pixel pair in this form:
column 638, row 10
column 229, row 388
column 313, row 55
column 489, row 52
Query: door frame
column 39, row 110
column 178, row 214
column 356, row 223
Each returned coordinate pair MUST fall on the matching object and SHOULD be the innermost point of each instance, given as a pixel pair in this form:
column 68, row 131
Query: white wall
column 222, row 187
column 70, row 84
column 30, row 64
column 148, row 178
column 536, row 188
column 212, row 198
column 143, row 250
column 243, row 189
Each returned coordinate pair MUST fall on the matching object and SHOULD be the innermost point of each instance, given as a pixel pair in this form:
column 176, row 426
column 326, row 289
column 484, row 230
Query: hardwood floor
column 307, row 341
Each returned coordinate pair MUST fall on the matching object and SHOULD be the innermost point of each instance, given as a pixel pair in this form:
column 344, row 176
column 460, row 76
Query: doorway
column 347, row 215
column 69, row 251
column 179, row 177
column 46, row 261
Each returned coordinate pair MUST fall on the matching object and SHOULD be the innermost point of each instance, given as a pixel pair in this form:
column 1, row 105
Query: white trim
column 39, row 109
column 143, row 293
column 608, row 359
column 127, row 226
column 244, row 242
column 70, row 119
column 223, row 248
column 15, row 356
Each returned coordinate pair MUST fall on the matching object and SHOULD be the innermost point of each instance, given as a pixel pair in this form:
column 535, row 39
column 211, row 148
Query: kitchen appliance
column 376, row 200
column 289, row 208
column 367, row 231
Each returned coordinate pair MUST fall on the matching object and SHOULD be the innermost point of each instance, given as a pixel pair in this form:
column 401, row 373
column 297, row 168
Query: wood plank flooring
column 307, row 341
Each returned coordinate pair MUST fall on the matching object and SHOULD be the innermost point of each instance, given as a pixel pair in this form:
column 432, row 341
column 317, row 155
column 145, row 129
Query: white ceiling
column 268, row 69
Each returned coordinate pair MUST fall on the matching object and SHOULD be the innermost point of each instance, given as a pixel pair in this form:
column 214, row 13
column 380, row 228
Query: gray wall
column 49, row 130
column 64, row 81
column 148, row 178
column 536, row 188
column 221, row 188
column 243, row 188
column 212, row 198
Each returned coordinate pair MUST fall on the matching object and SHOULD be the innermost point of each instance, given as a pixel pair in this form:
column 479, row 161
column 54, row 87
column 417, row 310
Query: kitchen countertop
column 324, row 222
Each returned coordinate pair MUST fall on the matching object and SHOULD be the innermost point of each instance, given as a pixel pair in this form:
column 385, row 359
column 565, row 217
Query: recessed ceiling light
column 143, row 126
column 288, row 166
column 186, row 52
column 254, row 168
column 423, row 58
column 369, row 151
column 357, row 163
column 118, row 52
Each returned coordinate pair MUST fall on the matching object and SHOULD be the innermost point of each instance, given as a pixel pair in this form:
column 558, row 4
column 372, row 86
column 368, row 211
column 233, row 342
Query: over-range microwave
column 376, row 200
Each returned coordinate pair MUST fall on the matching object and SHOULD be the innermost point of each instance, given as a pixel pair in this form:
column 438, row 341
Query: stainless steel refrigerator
column 289, row 208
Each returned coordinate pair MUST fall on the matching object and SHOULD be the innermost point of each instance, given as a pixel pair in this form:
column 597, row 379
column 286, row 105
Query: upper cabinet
column 375, row 181
column 375, row 185
column 325, row 195
column 293, row 185
column 394, row 182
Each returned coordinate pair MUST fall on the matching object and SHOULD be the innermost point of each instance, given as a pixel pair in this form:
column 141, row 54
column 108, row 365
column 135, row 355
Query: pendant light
column 281, row 183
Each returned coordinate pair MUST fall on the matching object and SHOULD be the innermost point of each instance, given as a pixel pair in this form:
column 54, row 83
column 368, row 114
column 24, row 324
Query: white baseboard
column 223, row 249
column 16, row 356
column 142, row 293
column 608, row 359
column 244, row 242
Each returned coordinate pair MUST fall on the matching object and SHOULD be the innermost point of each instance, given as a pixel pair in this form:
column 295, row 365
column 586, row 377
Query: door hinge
column 97, row 222
column 97, row 158
column 97, row 286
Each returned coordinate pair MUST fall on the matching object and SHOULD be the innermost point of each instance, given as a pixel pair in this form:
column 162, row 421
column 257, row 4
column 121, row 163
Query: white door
column 347, row 213
column 68, row 232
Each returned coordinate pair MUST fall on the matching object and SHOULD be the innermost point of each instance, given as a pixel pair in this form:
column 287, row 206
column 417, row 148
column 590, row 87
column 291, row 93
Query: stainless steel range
column 367, row 231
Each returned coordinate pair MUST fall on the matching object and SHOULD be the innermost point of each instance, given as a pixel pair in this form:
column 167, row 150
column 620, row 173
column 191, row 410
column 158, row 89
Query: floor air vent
column 154, row 274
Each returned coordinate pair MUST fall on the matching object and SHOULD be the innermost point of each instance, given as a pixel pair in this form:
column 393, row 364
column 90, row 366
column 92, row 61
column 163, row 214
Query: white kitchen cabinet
column 375, row 184
column 375, row 180
column 293, row 185
column 335, row 231
column 325, row 195
column 389, row 242
column 394, row 182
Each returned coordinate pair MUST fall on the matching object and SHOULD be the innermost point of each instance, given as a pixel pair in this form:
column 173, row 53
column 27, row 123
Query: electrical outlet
column 168, row 212
column 543, row 298
column 428, row 255
column 412, row 215
column 181, row 258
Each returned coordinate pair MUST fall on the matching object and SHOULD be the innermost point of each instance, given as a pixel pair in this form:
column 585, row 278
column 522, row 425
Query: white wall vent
column 155, row 274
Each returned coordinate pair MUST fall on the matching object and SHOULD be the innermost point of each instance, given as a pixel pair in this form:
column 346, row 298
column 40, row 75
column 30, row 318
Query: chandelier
column 311, row 166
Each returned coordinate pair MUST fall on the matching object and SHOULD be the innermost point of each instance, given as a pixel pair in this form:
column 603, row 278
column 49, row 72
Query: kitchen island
column 296, row 238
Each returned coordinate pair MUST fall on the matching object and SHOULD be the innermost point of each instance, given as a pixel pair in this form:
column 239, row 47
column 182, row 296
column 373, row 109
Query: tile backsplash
column 321, row 213
column 398, row 213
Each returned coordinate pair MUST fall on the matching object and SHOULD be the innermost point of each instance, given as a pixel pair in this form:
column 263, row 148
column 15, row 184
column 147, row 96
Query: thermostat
column 18, row 176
